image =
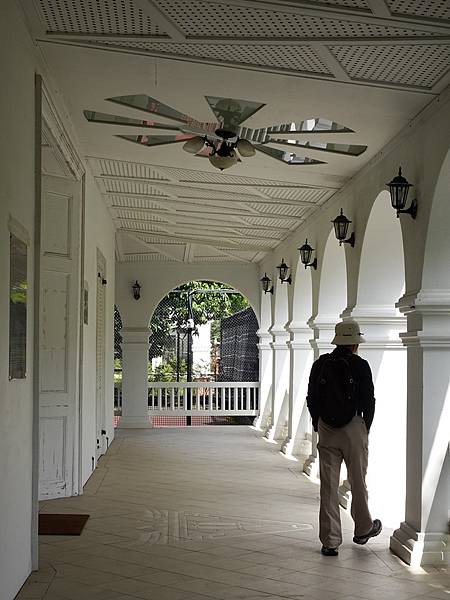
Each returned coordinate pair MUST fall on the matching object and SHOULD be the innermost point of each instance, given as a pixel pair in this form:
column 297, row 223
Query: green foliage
column 167, row 371
column 172, row 312
column 18, row 293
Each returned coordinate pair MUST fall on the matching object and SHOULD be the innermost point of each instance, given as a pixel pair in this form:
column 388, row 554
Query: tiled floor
column 211, row 513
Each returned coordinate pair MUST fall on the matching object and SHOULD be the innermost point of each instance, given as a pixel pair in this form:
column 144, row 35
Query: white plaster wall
column 99, row 233
column 157, row 279
column 17, row 200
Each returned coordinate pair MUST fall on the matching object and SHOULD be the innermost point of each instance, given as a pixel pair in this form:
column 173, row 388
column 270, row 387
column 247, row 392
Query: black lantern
column 283, row 268
column 305, row 255
column 136, row 290
column 265, row 281
column 399, row 188
column 341, row 224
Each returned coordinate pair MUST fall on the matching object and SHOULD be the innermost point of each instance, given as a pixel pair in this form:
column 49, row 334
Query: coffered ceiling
column 370, row 65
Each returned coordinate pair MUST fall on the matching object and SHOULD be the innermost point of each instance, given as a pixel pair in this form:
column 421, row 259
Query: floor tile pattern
column 206, row 514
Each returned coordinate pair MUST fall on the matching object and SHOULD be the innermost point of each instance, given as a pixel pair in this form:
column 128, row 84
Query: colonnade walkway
column 211, row 513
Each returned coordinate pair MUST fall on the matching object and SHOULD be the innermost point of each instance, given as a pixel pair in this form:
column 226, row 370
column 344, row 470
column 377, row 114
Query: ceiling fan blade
column 288, row 158
column 231, row 112
column 156, row 140
column 99, row 117
column 316, row 125
column 346, row 149
column 152, row 106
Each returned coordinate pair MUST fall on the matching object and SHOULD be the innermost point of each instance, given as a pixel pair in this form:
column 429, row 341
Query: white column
column 423, row 536
column 134, row 378
column 323, row 334
column 298, row 441
column 280, row 394
column 386, row 355
column 262, row 421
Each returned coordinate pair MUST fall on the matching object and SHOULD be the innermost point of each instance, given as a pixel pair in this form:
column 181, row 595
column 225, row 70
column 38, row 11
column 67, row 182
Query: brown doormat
column 51, row 524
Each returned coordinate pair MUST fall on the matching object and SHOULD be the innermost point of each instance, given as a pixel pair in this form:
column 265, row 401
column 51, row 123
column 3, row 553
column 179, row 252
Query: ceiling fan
column 224, row 141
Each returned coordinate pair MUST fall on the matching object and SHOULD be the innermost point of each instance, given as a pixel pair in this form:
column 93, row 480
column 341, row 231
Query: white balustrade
column 203, row 398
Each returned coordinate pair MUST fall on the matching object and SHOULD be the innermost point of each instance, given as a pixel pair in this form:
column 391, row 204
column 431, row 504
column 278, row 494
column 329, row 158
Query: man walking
column 342, row 405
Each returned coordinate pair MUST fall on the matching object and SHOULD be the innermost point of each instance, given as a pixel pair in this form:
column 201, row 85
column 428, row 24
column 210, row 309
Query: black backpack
column 335, row 391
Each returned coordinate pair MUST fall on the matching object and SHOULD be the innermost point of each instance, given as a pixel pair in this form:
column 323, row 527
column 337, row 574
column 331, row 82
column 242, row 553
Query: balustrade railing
column 203, row 398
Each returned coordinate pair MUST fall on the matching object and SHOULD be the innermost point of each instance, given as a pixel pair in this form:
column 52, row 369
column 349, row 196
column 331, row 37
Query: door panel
column 59, row 337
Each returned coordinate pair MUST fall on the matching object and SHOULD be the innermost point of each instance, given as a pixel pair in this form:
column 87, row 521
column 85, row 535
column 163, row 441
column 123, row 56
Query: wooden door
column 59, row 337
column 100, row 355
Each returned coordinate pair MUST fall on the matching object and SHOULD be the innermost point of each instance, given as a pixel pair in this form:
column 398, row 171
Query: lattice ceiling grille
column 134, row 203
column 359, row 4
column 129, row 169
column 106, row 16
column 420, row 65
column 131, row 187
column 433, row 9
column 198, row 18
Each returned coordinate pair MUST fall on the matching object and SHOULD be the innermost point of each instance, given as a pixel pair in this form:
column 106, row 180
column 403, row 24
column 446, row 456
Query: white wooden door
column 59, row 337
column 100, row 355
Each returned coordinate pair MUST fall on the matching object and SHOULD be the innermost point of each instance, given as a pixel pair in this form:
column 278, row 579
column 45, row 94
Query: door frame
column 47, row 117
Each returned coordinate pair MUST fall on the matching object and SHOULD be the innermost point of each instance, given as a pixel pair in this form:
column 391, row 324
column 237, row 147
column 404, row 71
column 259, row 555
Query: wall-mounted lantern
column 399, row 188
column 265, row 282
column 283, row 268
column 136, row 290
column 305, row 255
column 341, row 224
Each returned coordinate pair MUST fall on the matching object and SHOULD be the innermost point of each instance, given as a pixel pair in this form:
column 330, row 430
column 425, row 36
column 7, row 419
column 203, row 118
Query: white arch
column 302, row 302
column 436, row 268
column 382, row 265
column 205, row 279
column 333, row 282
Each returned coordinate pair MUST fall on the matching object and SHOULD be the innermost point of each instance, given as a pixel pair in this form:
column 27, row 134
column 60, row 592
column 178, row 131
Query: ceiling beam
column 379, row 8
column 216, row 243
column 315, row 42
column 332, row 63
column 156, row 15
column 184, row 212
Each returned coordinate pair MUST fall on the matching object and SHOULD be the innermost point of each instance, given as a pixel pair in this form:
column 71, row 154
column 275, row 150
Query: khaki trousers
column 348, row 443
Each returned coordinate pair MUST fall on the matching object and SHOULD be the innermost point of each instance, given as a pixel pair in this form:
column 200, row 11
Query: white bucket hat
column 347, row 333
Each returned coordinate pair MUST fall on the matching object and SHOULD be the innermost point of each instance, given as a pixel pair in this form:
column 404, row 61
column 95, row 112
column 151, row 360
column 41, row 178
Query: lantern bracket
column 313, row 265
column 350, row 240
column 412, row 210
column 287, row 280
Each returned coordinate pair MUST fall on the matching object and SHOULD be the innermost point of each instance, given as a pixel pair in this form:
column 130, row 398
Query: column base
column 311, row 466
column 276, row 434
column 135, row 423
column 345, row 494
column 292, row 447
column 417, row 548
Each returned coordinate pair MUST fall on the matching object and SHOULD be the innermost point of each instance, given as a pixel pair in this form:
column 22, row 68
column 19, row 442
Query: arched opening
column 203, row 356
column 381, row 283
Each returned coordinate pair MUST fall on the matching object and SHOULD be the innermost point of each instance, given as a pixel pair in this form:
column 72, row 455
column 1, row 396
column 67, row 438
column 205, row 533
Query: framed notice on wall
column 18, row 287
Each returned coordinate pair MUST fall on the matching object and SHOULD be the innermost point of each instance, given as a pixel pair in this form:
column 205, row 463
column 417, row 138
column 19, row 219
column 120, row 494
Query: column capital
column 265, row 339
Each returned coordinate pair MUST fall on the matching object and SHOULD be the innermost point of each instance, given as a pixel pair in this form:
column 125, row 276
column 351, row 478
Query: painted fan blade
column 230, row 112
column 156, row 140
column 288, row 158
column 152, row 106
column 98, row 117
column 347, row 149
